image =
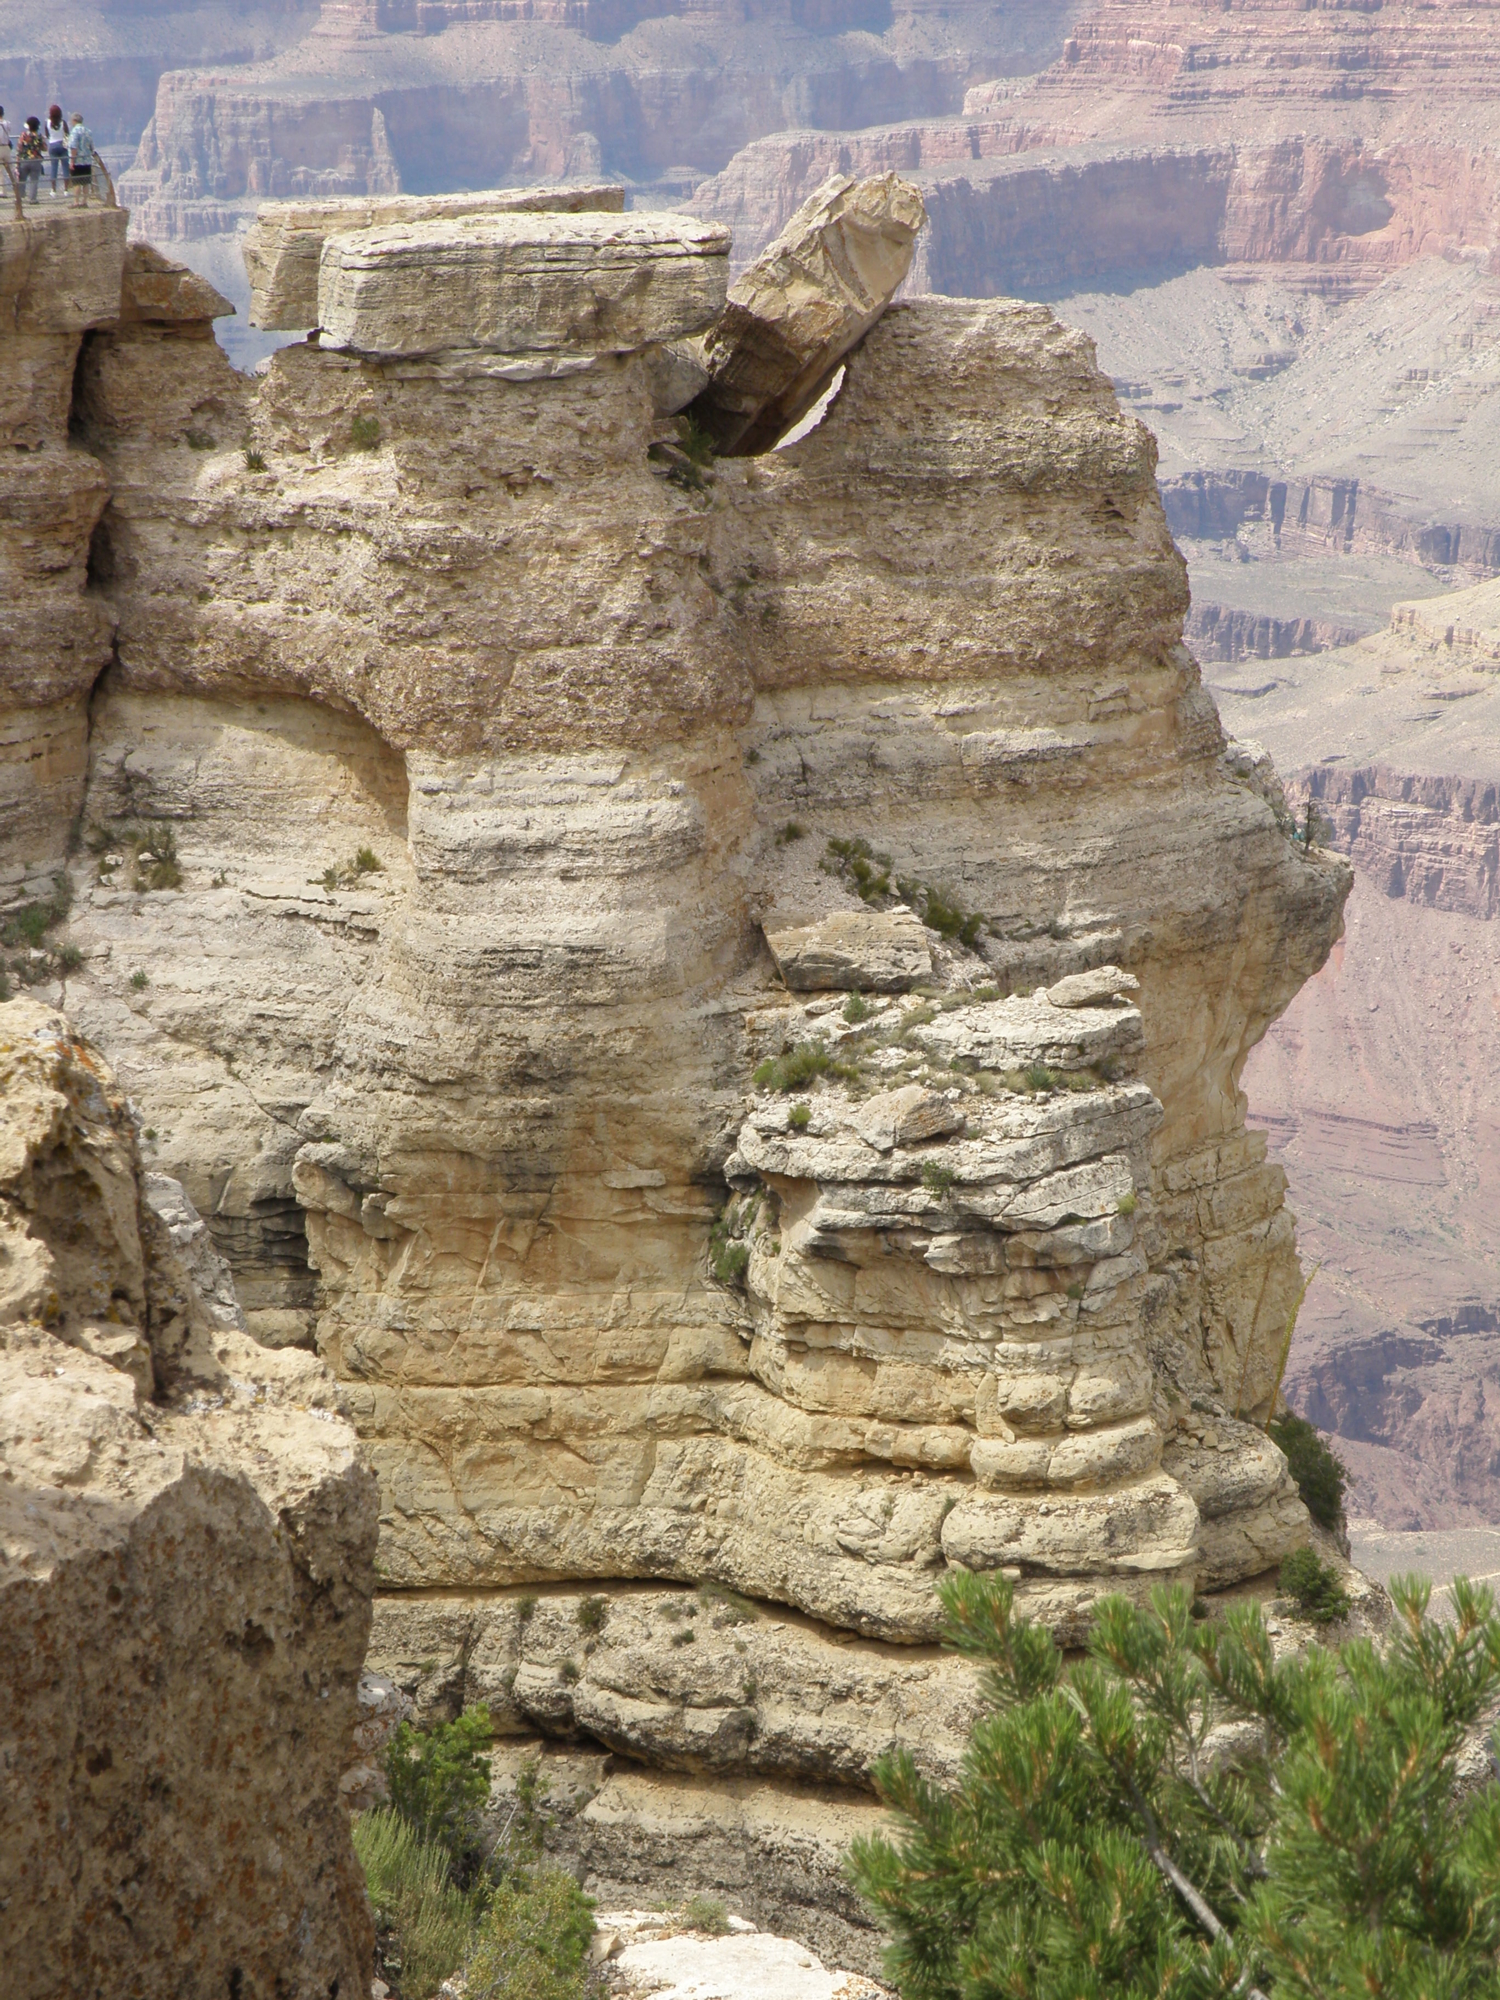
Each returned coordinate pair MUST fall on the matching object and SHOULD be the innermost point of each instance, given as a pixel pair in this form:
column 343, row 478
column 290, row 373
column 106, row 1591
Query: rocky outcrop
column 462, row 751
column 284, row 246
column 186, row 1543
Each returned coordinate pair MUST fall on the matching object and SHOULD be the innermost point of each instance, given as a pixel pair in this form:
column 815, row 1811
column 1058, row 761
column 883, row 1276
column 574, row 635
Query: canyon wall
column 1378, row 1087
column 470, row 765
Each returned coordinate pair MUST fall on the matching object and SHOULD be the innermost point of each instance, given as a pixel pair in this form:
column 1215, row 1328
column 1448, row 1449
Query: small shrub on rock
column 439, row 1780
column 424, row 1923
column 1320, row 1474
column 705, row 1913
column 533, row 1942
column 1314, row 1586
column 799, row 1117
column 364, row 433
column 592, row 1613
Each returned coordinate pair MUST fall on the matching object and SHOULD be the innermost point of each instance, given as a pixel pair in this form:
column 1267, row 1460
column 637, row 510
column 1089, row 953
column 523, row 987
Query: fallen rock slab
column 522, row 284
column 1093, row 989
column 862, row 950
column 801, row 306
column 283, row 245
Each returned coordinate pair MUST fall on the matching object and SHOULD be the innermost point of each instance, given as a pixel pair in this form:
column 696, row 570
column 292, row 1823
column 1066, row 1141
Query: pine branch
column 1197, row 1905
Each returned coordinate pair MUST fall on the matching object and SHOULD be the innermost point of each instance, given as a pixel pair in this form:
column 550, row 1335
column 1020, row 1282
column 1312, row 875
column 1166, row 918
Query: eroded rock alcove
column 712, row 990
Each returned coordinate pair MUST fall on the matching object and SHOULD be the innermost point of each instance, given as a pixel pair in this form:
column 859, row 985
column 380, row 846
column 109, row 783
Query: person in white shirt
column 5, row 145
column 56, row 135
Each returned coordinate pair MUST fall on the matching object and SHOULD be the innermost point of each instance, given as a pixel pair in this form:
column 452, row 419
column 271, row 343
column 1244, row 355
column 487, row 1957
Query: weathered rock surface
column 186, row 1538
column 442, row 797
column 646, row 1953
column 800, row 307
column 854, row 950
column 284, row 246
column 695, row 1682
column 521, row 284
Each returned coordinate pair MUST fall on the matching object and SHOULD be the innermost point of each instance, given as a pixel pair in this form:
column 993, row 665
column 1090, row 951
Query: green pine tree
column 1179, row 1816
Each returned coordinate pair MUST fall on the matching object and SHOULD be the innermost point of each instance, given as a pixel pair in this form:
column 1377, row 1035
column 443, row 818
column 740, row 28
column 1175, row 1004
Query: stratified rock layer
column 185, row 1573
column 283, row 247
column 455, row 770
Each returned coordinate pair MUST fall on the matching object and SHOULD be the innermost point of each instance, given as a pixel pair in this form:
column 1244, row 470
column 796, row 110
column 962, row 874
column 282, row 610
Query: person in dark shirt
column 31, row 154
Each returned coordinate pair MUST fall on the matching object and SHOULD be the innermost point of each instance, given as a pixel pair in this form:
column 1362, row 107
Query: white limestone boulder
column 283, row 245
column 522, row 284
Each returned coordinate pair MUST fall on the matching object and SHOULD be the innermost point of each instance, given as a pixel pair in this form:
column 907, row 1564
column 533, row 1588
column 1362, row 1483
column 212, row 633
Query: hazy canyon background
column 1278, row 219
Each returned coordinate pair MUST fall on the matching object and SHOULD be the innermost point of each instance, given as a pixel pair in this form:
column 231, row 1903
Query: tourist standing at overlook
column 56, row 136
column 4, row 134
column 31, row 155
column 80, row 156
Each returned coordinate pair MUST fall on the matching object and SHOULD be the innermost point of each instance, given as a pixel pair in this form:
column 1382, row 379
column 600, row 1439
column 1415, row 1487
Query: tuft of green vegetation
column 571, row 1672
column 255, row 461
column 800, row 1066
column 868, row 873
column 424, row 1923
column 364, row 433
column 685, row 1637
column 1313, row 1586
column 150, row 1133
column 799, row 1117
column 148, row 851
column 942, row 914
column 1127, row 1204
column 728, row 1253
column 695, row 441
column 592, row 1614
column 197, row 440
column 793, row 830
column 139, row 982
column 439, row 1780
column 347, row 874
column 70, row 958
column 1075, row 1290
column 985, row 993
column 857, row 1008
column 1039, row 1078
column 525, row 1609
column 705, row 1913
column 1320, row 1474
column 533, row 1941
column 937, row 1180
column 728, row 1605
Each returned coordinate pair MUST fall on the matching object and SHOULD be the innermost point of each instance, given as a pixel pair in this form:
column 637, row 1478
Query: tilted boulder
column 282, row 247
column 804, row 302
column 186, row 1567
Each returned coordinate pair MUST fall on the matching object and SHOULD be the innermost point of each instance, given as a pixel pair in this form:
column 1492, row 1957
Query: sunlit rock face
column 489, row 734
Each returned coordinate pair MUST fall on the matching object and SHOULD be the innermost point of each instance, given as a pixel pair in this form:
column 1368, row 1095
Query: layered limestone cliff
column 714, row 990
column 186, row 1543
